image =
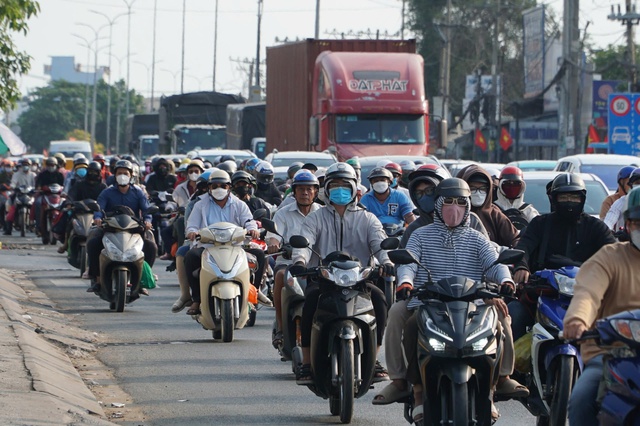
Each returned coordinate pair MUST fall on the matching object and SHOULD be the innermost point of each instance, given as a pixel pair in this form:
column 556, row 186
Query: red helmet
column 394, row 168
column 430, row 170
column 511, row 183
column 99, row 157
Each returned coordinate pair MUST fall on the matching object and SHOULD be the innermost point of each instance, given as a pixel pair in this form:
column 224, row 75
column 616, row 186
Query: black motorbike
column 81, row 221
column 165, row 215
column 24, row 198
column 459, row 345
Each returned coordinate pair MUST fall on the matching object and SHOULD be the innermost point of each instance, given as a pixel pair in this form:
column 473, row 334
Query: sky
column 51, row 33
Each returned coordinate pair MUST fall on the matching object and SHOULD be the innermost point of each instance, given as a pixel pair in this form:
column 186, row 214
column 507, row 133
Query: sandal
column 495, row 414
column 380, row 374
column 194, row 311
column 417, row 414
column 390, row 394
column 511, row 389
column 304, row 376
column 278, row 340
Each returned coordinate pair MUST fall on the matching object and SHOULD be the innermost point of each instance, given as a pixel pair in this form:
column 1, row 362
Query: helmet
column 631, row 208
column 568, row 182
column 51, row 162
column 430, row 170
column 194, row 163
column 394, row 168
column 354, row 162
column 78, row 155
column 242, row 176
column 341, row 171
column 203, row 179
column 243, row 164
column 7, row 163
column 382, row 163
column 94, row 165
column 60, row 156
column 511, row 183
column 176, row 161
column 305, row 177
column 293, row 168
column 625, row 172
column 264, row 172
column 80, row 162
column 227, row 157
column 251, row 165
column 182, row 168
column 377, row 172
column 219, row 176
column 25, row 162
column 407, row 166
column 228, row 166
column 634, row 176
column 453, row 187
column 123, row 164
column 98, row 157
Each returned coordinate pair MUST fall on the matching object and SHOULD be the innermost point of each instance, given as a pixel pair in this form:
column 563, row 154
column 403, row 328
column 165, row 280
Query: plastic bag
column 147, row 280
column 523, row 353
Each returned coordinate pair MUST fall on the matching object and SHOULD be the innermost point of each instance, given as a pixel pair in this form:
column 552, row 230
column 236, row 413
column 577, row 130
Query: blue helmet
column 634, row 176
column 625, row 172
column 250, row 166
column 304, row 177
column 264, row 172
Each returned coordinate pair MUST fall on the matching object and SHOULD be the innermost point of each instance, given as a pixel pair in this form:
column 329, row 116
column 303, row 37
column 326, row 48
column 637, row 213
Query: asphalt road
column 174, row 370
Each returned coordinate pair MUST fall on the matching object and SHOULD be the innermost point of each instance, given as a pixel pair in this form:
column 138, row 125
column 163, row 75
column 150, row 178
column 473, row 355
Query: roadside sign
column 624, row 123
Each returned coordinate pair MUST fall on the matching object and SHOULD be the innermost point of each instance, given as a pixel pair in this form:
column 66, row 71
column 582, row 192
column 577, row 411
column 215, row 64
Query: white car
column 605, row 166
column 286, row 158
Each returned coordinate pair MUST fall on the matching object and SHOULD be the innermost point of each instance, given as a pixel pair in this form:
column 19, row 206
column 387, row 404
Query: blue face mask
column 427, row 203
column 340, row 196
column 81, row 172
column 394, row 183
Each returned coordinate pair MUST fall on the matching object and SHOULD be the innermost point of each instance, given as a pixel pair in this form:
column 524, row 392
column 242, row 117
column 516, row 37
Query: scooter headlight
column 546, row 322
column 629, row 329
column 342, row 277
column 222, row 235
column 431, row 326
column 480, row 344
column 437, row 345
column 130, row 255
column 486, row 325
column 565, row 284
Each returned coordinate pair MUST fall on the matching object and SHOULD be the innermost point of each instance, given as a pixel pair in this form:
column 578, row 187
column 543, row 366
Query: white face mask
column 635, row 238
column 478, row 198
column 194, row 176
column 380, row 187
column 218, row 193
column 123, row 180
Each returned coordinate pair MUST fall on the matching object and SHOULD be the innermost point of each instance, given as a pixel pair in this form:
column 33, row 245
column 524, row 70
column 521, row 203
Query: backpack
column 517, row 218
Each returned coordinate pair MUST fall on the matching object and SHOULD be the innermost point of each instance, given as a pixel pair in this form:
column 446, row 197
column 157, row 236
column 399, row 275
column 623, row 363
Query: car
column 285, row 158
column 368, row 163
column 534, row 165
column 280, row 175
column 213, row 155
column 606, row 166
column 454, row 166
column 536, row 191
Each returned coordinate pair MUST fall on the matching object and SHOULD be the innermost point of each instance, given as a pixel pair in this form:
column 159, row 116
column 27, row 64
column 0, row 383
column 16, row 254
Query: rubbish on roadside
column 117, row 404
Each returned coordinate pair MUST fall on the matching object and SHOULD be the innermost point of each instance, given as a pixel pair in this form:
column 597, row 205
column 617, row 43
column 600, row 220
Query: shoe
column 144, row 292
column 390, row 394
column 166, row 256
column 380, row 373
column 94, row 288
column 7, row 233
column 62, row 249
column 304, row 376
column 179, row 305
column 264, row 300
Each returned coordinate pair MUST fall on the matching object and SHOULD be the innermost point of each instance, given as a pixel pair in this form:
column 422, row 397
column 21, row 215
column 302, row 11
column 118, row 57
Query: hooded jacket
column 499, row 227
column 528, row 211
column 358, row 232
column 158, row 182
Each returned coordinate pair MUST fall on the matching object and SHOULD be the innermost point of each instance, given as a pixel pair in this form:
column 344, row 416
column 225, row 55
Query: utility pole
column 403, row 9
column 215, row 47
column 317, row 33
column 153, row 56
column 630, row 19
column 569, row 120
column 184, row 14
column 129, row 4
column 445, row 63
column 494, row 152
column 256, row 91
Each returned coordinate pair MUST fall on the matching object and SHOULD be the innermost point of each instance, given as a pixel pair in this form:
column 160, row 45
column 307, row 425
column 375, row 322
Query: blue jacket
column 134, row 198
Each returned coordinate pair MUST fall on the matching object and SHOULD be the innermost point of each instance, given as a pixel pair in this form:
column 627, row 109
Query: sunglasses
column 218, row 185
column 426, row 191
column 461, row 201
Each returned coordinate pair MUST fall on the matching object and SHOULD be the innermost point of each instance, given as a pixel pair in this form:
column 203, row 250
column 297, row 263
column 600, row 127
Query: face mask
column 123, row 180
column 242, row 191
column 34, row 168
column 380, row 187
column 162, row 171
column 26, row 169
column 92, row 177
column 511, row 191
column 52, row 169
column 81, row 172
column 427, row 203
column 478, row 198
column 635, row 238
column 8, row 169
column 569, row 210
column 394, row 183
column 218, row 194
column 340, row 196
column 453, row 214
column 194, row 176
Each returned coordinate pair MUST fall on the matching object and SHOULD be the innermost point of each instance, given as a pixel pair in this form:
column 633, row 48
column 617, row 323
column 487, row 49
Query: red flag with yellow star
column 505, row 139
column 480, row 141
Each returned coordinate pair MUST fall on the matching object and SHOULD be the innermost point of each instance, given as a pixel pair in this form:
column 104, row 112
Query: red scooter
column 50, row 212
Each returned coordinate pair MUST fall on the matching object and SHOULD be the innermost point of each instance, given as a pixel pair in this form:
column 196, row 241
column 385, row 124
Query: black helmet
column 377, row 172
column 80, row 161
column 228, row 166
column 453, row 187
column 242, row 176
column 568, row 182
column 123, row 164
column 227, row 157
column 94, row 165
column 51, row 161
column 293, row 168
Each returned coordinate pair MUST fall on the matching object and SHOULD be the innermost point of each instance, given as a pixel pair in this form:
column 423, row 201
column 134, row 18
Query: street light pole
column 146, row 67
column 175, row 77
column 254, row 97
column 86, row 44
column 184, row 15
column 153, row 55
column 317, row 32
column 119, row 109
column 215, row 47
column 129, row 4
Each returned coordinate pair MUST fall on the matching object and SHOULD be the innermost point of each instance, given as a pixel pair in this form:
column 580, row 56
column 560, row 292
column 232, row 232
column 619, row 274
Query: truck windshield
column 149, row 147
column 380, row 129
column 193, row 139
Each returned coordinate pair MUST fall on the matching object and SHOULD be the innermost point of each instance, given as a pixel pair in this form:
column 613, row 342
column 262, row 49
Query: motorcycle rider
column 387, row 204
column 22, row 177
column 355, row 163
column 623, row 188
column 49, row 176
column 343, row 226
column 62, row 163
column 288, row 221
column 79, row 171
column 104, row 170
column 567, row 231
column 614, row 218
column 219, row 205
column 267, row 190
column 6, row 171
column 161, row 180
column 122, row 194
column 607, row 283
column 510, row 197
column 449, row 247
column 244, row 186
column 500, row 229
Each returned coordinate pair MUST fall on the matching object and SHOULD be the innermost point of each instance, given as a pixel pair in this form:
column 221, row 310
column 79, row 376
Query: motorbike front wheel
column 454, row 403
column 346, row 380
column 82, row 261
column 564, row 379
column 120, row 284
column 226, row 322
column 52, row 238
column 23, row 223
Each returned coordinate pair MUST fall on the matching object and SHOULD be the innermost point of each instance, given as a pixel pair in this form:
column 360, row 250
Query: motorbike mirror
column 270, row 226
column 509, row 256
column 402, row 257
column 152, row 210
column 93, row 206
column 299, row 242
column 390, row 243
column 259, row 214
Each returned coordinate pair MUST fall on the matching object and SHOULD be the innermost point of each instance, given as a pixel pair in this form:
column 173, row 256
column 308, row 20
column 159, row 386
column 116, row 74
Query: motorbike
column 225, row 280
column 164, row 217
column 122, row 258
column 343, row 335
column 51, row 209
column 459, row 345
column 388, row 284
column 81, row 219
column 24, row 198
column 555, row 365
column 619, row 392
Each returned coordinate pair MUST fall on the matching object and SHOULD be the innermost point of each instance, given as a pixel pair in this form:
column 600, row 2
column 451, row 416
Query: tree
column 612, row 62
column 58, row 108
column 13, row 19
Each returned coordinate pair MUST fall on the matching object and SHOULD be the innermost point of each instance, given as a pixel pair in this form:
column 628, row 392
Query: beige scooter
column 224, row 280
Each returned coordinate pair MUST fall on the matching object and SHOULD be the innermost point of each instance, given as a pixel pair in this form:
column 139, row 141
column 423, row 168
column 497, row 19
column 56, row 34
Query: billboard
column 624, row 123
column 533, row 51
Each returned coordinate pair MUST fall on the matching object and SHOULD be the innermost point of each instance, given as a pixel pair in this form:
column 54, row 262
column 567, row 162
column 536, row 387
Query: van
column 605, row 166
column 69, row 149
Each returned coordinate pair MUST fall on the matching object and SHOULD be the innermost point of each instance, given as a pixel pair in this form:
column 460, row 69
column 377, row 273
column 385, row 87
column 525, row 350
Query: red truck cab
column 369, row 103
